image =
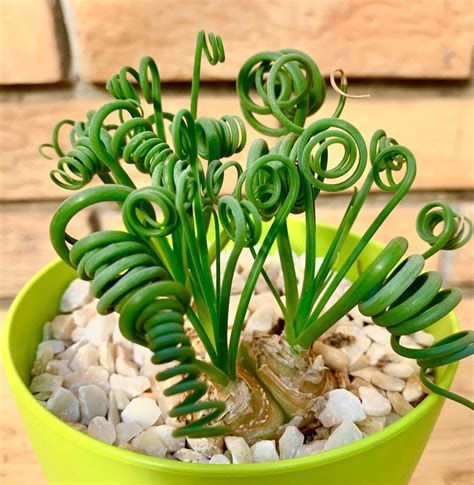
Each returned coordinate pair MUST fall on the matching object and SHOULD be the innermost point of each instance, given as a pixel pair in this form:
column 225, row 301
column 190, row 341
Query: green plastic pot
column 69, row 456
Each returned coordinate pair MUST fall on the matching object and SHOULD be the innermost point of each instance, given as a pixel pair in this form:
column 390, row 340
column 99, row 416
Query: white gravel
column 90, row 376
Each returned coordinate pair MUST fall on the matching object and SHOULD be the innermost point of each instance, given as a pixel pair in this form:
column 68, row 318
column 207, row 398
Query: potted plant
column 171, row 275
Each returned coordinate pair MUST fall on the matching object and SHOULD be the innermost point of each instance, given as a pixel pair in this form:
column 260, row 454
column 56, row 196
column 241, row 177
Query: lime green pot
column 69, row 456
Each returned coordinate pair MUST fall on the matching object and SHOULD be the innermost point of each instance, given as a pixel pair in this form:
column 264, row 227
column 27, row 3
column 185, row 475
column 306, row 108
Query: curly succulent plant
column 177, row 227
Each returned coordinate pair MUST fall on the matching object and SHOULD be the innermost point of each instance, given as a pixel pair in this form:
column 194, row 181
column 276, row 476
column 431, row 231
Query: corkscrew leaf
column 159, row 269
column 455, row 232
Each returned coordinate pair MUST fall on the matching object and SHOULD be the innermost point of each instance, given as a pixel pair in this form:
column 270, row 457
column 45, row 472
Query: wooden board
column 437, row 130
column 393, row 38
column 25, row 245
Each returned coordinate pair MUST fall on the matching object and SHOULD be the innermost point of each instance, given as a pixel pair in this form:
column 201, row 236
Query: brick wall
column 414, row 58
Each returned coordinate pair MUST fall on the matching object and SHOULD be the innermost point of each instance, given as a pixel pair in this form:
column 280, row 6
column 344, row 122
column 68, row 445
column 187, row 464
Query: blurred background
column 413, row 57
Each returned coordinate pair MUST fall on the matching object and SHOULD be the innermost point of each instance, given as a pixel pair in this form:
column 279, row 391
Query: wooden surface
column 415, row 39
column 436, row 129
column 448, row 459
column 41, row 39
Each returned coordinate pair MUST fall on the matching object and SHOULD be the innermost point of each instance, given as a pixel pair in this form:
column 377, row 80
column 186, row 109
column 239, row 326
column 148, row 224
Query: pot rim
column 62, row 429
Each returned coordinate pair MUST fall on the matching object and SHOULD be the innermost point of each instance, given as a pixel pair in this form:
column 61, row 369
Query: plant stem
column 304, row 305
column 272, row 288
column 288, row 268
column 216, row 375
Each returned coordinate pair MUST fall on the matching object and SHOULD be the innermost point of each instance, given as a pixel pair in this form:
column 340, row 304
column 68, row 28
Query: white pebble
column 377, row 334
column 400, row 405
column 165, row 433
column 312, row 448
column 258, row 300
column 166, row 403
column 118, row 338
column 150, row 370
column 233, row 307
column 82, row 316
column 361, row 362
column 86, row 356
column 62, row 327
column 128, row 446
column 113, row 415
column 79, row 426
column 148, row 442
column 47, row 332
column 219, row 459
column 207, row 446
column 264, row 451
column 141, row 355
column 57, row 367
column 121, row 399
column 360, row 344
column 78, row 334
column 48, row 347
column 126, row 368
column 386, row 382
column 142, row 410
column 93, row 402
column 372, row 424
column 407, row 341
column 100, row 328
column 423, row 338
column 398, row 369
column 96, row 375
column 342, row 406
column 264, row 319
column 373, row 403
column 238, row 283
column 127, row 431
column 131, row 386
column 76, row 295
column 101, row 429
column 347, row 432
column 64, row 404
column 71, row 351
column 123, row 352
column 333, row 357
column 239, row 449
column 375, row 353
column 39, row 366
column 391, row 418
column 365, row 373
column 412, row 390
column 290, row 441
column 106, row 356
column 190, row 456
column 45, row 383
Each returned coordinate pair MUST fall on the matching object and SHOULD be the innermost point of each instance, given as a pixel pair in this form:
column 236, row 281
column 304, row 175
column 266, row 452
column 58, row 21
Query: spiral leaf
column 139, row 215
column 120, row 87
column 289, row 85
column 220, row 138
column 320, row 136
column 127, row 278
column 455, row 232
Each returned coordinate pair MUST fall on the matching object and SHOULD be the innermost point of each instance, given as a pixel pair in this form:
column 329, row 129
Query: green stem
column 305, row 303
column 280, row 219
column 203, row 335
column 215, row 374
column 288, row 269
column 317, row 325
column 272, row 288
